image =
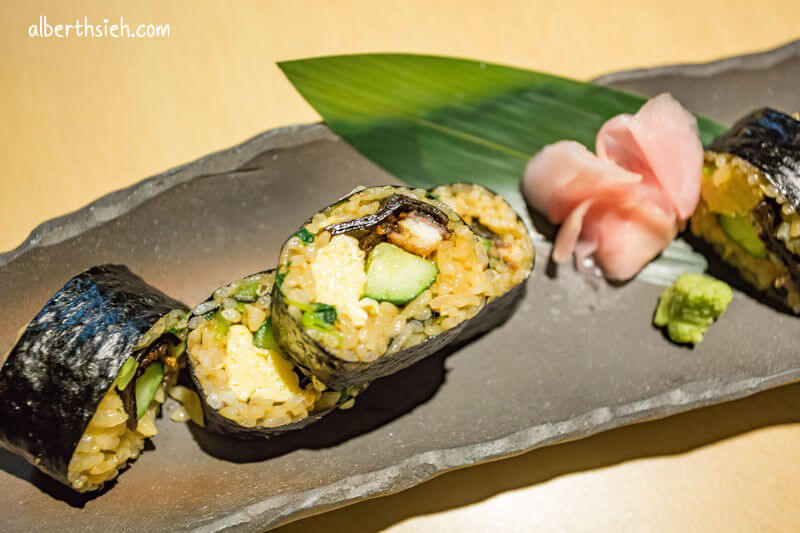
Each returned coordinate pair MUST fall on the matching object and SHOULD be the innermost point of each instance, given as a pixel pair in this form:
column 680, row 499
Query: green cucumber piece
column 126, row 373
column 740, row 230
column 397, row 276
column 147, row 385
column 264, row 338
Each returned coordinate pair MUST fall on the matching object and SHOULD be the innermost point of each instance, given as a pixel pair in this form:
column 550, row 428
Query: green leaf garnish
column 434, row 120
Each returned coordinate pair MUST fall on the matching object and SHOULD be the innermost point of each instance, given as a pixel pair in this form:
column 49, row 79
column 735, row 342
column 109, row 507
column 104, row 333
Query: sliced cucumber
column 126, row 373
column 397, row 276
column 147, row 385
column 740, row 230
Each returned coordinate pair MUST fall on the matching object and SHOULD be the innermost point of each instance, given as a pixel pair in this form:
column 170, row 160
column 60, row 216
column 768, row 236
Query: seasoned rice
column 511, row 252
column 207, row 349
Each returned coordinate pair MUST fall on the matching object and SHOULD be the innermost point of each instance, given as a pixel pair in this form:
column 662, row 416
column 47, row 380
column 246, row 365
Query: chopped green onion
column 320, row 316
column 222, row 328
column 264, row 338
column 248, row 292
column 306, row 236
column 280, row 276
column 347, row 394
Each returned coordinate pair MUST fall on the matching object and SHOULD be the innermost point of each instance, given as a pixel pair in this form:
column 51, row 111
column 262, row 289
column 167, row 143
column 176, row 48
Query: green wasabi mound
column 690, row 306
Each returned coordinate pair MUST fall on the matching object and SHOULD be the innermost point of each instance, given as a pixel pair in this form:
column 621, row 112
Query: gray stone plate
column 578, row 357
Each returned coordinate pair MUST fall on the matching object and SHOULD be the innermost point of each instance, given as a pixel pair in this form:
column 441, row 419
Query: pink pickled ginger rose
column 627, row 203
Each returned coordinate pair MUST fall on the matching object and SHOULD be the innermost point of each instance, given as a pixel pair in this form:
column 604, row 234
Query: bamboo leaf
column 431, row 120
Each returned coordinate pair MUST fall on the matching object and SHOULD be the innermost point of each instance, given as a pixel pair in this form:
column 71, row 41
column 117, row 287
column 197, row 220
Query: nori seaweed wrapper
column 770, row 141
column 218, row 423
column 338, row 373
column 68, row 357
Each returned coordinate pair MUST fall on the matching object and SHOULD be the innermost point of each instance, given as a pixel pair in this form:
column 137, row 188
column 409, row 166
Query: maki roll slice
column 506, row 240
column 376, row 282
column 247, row 387
column 749, row 200
column 82, row 386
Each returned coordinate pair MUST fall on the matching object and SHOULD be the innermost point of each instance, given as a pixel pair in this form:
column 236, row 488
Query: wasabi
column 689, row 307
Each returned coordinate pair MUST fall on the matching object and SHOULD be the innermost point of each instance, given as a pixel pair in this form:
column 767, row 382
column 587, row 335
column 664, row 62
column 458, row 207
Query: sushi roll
column 750, row 196
column 80, row 389
column 376, row 282
column 246, row 385
column 507, row 242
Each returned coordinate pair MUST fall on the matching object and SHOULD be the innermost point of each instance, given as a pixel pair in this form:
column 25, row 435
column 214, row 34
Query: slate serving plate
column 578, row 357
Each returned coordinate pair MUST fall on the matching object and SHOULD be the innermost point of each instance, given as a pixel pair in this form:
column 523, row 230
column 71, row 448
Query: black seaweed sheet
column 68, row 357
column 770, row 141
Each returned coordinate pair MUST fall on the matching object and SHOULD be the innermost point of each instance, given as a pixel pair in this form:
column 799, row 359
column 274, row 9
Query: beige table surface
column 82, row 117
